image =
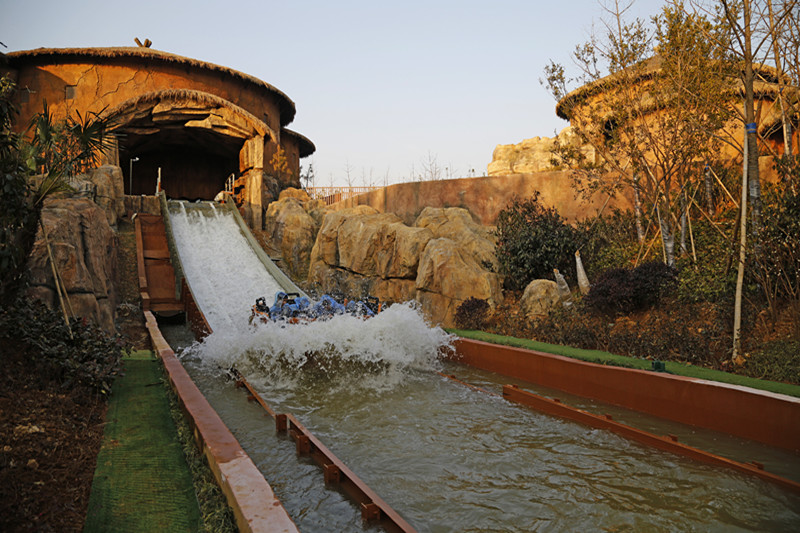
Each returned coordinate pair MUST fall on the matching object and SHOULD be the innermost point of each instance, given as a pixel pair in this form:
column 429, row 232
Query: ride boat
column 293, row 308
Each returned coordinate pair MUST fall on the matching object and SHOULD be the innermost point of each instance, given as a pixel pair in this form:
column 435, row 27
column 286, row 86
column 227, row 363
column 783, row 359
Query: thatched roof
column 15, row 59
column 766, row 83
column 306, row 146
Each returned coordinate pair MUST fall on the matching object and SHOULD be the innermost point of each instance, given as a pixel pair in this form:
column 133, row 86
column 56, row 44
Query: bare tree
column 634, row 110
column 431, row 170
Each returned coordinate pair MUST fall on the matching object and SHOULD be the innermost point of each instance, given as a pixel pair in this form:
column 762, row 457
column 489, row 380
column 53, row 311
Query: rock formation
column 532, row 155
column 105, row 187
column 291, row 225
column 440, row 261
column 85, row 251
column 540, row 296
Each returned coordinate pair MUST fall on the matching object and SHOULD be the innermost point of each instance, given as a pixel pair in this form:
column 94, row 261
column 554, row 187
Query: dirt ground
column 50, row 434
column 50, row 439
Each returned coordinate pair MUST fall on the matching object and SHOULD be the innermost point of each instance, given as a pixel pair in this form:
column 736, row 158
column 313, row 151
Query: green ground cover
column 142, row 482
column 605, row 358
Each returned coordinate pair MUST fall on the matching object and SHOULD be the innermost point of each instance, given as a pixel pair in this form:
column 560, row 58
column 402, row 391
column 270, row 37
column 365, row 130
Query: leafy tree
column 34, row 166
column 279, row 162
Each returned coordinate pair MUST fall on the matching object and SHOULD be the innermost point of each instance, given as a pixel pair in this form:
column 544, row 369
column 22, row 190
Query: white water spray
column 226, row 277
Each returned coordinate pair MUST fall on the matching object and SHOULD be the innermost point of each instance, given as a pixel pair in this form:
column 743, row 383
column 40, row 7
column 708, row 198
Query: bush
column 776, row 361
column 472, row 313
column 777, row 253
column 87, row 358
column 623, row 291
column 607, row 241
column 532, row 240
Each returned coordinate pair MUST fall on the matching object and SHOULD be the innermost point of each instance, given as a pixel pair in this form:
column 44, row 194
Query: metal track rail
column 336, row 473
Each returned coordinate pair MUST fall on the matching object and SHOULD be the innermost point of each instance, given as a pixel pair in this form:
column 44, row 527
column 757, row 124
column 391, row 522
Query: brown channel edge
column 254, row 504
column 762, row 416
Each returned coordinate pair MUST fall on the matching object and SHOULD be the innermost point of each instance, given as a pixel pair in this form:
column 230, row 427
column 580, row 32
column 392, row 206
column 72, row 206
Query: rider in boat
column 294, row 308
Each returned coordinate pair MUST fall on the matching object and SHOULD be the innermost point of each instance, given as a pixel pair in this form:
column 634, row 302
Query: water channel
column 445, row 456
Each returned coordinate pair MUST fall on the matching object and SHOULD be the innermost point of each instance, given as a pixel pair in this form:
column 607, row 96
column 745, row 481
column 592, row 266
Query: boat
column 293, row 308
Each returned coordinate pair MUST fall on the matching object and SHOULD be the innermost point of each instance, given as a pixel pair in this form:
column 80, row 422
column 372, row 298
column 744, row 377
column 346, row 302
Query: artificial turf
column 141, row 482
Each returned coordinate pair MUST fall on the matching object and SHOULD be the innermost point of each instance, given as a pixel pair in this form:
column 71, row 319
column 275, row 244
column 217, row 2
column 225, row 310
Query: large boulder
column 105, row 186
column 84, row 248
column 456, row 224
column 292, row 231
column 540, row 296
column 448, row 274
column 441, row 261
column 326, row 247
column 360, row 251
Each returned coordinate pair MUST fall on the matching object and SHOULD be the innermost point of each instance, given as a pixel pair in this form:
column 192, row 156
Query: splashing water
column 226, row 277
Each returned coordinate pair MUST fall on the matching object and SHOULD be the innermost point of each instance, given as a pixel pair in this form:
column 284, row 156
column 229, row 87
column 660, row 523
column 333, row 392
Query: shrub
column 777, row 253
column 532, row 240
column 623, row 291
column 776, row 361
column 87, row 357
column 607, row 241
column 472, row 313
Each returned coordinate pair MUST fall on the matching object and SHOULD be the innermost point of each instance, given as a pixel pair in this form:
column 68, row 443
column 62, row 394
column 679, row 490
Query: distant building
column 199, row 123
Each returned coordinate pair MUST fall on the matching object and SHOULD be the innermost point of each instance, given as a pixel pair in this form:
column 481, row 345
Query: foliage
column 777, row 254
column 679, row 333
column 279, row 162
column 51, row 151
column 776, row 361
column 608, row 241
column 713, row 278
column 652, row 99
column 532, row 240
column 624, row 291
column 80, row 355
column 472, row 313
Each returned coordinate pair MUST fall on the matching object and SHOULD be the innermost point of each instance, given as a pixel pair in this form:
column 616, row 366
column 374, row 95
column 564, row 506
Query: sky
column 381, row 88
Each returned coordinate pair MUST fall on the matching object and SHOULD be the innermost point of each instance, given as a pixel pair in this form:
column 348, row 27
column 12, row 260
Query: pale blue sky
column 377, row 85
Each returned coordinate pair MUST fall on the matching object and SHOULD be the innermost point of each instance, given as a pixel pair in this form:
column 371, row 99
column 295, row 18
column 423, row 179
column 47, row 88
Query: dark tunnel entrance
column 194, row 162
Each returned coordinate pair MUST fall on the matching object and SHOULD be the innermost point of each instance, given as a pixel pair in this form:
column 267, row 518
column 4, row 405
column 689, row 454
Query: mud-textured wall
column 485, row 197
column 197, row 122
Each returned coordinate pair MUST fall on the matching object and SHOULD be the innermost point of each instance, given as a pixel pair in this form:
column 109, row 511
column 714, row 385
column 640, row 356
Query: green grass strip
column 141, row 482
column 605, row 358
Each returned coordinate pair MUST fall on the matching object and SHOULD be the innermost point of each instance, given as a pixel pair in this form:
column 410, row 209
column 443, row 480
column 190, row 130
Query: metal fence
column 331, row 195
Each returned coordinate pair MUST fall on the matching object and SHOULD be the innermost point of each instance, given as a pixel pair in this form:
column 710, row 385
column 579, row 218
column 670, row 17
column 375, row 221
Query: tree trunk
column 709, row 192
column 737, row 305
column 637, row 208
column 751, row 137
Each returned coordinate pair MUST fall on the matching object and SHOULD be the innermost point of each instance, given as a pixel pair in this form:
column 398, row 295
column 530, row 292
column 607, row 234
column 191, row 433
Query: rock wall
column 441, row 260
column 485, row 197
column 291, row 225
column 533, row 155
column 84, row 247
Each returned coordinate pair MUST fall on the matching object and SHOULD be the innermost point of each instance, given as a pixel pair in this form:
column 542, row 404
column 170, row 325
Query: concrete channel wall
column 767, row 417
column 254, row 504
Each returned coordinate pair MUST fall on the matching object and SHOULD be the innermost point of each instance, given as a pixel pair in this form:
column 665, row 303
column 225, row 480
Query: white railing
column 331, row 195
